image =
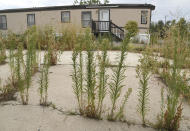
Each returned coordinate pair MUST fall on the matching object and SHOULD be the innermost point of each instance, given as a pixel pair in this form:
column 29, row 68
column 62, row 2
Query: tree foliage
column 160, row 28
column 182, row 25
column 90, row 2
column 132, row 28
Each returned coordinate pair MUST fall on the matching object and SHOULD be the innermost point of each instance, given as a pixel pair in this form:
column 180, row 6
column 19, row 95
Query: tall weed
column 2, row 49
column 119, row 72
column 143, row 73
column 43, row 88
column 19, row 66
column 102, row 76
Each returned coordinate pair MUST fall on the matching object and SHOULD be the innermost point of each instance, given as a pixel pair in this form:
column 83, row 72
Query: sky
column 165, row 9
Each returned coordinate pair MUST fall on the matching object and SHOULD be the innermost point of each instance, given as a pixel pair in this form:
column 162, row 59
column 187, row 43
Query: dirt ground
column 32, row 117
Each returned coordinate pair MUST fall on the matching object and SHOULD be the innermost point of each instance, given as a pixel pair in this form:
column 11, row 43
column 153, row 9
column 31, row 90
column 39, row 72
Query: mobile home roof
column 142, row 6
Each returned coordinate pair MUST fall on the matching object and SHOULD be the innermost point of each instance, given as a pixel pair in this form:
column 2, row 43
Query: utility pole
column 165, row 19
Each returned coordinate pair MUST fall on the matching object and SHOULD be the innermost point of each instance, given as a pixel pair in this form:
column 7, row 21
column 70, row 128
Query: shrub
column 7, row 92
column 68, row 38
column 132, row 28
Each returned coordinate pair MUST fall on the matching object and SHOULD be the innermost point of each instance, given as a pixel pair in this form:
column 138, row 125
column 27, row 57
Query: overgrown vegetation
column 2, row 49
column 96, row 81
column 7, row 92
column 91, row 82
column 176, row 57
column 175, row 83
column 48, row 41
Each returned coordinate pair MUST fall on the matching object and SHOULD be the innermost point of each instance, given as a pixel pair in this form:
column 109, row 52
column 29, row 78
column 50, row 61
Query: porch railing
column 108, row 26
column 100, row 26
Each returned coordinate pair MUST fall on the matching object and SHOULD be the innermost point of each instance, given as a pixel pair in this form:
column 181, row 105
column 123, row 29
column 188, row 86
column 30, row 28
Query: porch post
column 110, row 25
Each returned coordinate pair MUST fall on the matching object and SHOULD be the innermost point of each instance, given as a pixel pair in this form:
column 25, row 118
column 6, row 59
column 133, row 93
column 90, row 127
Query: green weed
column 43, row 88
column 119, row 72
column 143, row 73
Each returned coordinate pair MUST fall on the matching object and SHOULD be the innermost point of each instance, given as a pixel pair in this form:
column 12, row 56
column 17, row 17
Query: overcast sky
column 164, row 8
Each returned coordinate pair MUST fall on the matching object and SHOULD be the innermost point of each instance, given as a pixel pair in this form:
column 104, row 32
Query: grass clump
column 53, row 48
column 7, row 92
column 49, row 41
column 69, row 38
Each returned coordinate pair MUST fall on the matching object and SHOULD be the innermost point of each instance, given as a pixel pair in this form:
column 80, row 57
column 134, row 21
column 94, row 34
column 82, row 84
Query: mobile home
column 101, row 18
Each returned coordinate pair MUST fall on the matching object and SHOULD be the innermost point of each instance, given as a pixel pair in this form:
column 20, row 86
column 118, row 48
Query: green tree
column 182, row 27
column 132, row 28
column 159, row 28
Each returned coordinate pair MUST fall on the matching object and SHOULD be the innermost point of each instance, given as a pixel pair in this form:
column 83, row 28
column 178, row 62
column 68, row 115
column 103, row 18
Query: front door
column 104, row 18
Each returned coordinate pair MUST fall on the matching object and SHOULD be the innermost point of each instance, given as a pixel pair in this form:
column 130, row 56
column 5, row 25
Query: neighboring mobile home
column 101, row 18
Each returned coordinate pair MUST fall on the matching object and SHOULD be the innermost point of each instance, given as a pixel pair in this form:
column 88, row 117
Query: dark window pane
column 30, row 19
column 144, row 15
column 65, row 16
column 86, row 23
column 86, row 19
column 3, row 22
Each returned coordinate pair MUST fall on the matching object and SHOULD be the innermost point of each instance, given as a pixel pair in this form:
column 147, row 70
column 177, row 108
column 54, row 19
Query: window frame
column 62, row 16
column 144, row 16
column 86, row 12
column 28, row 20
column 4, row 23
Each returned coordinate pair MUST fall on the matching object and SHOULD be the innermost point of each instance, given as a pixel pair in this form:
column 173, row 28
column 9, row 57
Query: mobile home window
column 86, row 19
column 144, row 16
column 30, row 19
column 65, row 16
column 3, row 22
